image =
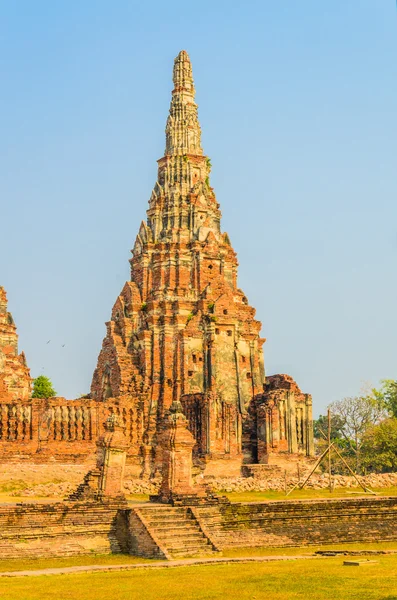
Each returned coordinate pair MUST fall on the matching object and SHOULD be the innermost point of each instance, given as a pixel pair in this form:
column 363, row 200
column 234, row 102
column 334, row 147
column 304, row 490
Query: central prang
column 182, row 331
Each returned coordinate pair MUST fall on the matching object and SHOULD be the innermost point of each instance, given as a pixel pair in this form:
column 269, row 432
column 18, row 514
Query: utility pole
column 330, row 447
column 329, row 451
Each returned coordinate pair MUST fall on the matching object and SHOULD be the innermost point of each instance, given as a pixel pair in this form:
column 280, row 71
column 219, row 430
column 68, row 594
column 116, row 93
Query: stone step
column 185, row 548
column 169, row 512
column 165, row 517
column 157, row 516
column 171, row 536
column 191, row 553
column 177, row 528
column 177, row 531
column 168, row 522
column 166, row 510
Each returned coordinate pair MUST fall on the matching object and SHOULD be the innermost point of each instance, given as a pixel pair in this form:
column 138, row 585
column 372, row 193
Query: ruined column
column 309, row 426
column 177, row 444
column 105, row 482
column 292, row 442
column 112, row 452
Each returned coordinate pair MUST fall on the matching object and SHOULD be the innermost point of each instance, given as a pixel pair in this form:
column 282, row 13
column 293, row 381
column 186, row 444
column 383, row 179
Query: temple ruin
column 15, row 380
column 180, row 331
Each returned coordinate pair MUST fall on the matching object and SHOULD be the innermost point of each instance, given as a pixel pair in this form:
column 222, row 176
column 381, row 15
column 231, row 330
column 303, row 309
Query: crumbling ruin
column 105, row 482
column 180, row 331
column 15, row 380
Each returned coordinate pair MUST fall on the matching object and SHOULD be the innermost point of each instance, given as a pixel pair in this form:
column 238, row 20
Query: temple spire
column 183, row 133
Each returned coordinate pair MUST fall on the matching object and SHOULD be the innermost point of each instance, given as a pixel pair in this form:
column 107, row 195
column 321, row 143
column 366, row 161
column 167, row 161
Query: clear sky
column 297, row 102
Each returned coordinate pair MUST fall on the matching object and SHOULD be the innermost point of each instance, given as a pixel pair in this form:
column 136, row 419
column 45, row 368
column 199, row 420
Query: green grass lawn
column 26, row 564
column 120, row 559
column 310, row 550
column 7, row 499
column 306, row 494
column 320, row 579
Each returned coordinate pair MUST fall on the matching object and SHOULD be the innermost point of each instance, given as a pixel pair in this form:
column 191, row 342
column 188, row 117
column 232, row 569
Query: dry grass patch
column 307, row 494
column 319, row 579
column 35, row 564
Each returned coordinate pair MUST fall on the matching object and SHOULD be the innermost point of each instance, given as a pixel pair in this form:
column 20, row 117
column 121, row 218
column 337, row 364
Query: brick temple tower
column 15, row 380
column 182, row 329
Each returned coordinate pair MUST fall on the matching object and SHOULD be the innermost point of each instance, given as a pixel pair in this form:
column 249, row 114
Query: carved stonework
column 284, row 420
column 181, row 331
column 105, row 482
column 177, row 442
column 14, row 372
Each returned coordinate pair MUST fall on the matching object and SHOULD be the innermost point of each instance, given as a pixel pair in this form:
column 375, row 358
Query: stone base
column 89, row 491
column 260, row 471
column 190, row 499
column 223, row 466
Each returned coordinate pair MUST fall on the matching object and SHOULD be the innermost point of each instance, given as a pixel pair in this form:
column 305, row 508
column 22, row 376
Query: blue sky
column 297, row 102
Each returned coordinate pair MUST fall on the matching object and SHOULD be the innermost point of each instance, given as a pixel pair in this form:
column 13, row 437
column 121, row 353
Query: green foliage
column 214, row 318
column 320, row 427
column 207, row 182
column 185, row 158
column 388, row 395
column 144, row 306
column 42, row 388
column 211, row 306
column 379, row 447
column 190, row 317
column 355, row 416
column 208, row 164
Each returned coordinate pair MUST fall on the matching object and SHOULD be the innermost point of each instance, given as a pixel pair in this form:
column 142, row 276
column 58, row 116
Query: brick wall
column 67, row 528
column 62, row 529
column 64, row 430
column 301, row 523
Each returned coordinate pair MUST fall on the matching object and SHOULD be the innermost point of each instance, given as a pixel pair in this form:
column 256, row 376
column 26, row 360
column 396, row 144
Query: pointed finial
column 183, row 133
column 183, row 76
column 3, row 298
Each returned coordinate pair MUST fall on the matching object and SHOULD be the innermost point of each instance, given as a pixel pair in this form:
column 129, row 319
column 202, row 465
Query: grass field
column 317, row 579
column 120, row 559
column 306, row 494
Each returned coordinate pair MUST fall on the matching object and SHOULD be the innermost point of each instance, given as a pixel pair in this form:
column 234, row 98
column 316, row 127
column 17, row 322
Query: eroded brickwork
column 301, row 522
column 106, row 480
column 65, row 430
column 72, row 528
column 182, row 329
column 62, row 529
column 281, row 419
column 15, row 380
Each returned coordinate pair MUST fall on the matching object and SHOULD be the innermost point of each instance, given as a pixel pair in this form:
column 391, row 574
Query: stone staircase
column 177, row 532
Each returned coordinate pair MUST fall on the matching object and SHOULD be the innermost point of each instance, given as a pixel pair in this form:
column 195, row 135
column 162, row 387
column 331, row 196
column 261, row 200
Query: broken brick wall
column 14, row 372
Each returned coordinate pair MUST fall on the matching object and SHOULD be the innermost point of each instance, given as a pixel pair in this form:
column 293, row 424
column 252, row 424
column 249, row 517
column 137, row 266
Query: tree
column 320, row 430
column 379, row 447
column 42, row 388
column 320, row 427
column 387, row 394
column 357, row 415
